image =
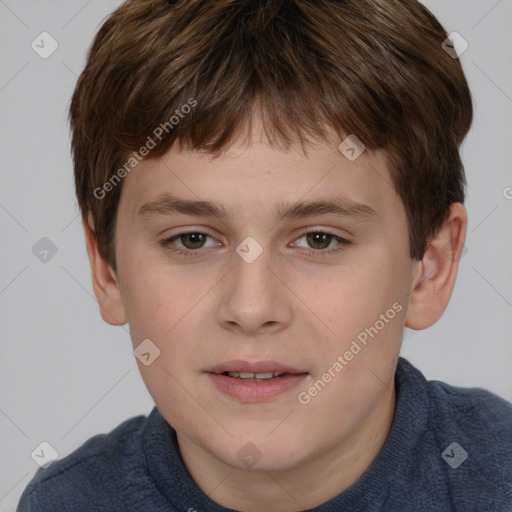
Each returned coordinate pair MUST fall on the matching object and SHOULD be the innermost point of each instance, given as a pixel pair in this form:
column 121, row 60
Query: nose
column 253, row 300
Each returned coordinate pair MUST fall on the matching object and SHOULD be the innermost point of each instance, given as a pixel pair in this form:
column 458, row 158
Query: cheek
column 366, row 318
column 172, row 390
column 158, row 298
column 173, row 310
column 357, row 298
column 160, row 308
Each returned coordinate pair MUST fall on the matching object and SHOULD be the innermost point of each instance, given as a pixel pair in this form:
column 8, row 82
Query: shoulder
column 474, row 411
column 458, row 442
column 472, row 429
column 91, row 474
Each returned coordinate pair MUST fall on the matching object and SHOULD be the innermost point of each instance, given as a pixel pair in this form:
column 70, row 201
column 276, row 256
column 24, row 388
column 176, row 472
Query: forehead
column 261, row 178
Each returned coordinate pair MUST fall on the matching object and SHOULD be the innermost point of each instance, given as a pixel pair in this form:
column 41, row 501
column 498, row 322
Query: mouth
column 255, row 382
column 255, row 377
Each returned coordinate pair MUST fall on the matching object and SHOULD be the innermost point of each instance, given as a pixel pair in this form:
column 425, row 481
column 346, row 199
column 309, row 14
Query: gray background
column 66, row 375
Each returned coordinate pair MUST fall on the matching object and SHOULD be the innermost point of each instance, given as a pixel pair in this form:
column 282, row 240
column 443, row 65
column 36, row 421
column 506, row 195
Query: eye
column 193, row 240
column 189, row 242
column 314, row 243
column 320, row 242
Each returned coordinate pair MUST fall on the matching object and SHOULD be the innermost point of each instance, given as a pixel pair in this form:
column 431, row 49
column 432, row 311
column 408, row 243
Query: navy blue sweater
column 450, row 449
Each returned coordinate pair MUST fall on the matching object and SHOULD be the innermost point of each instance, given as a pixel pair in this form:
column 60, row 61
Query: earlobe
column 438, row 271
column 104, row 279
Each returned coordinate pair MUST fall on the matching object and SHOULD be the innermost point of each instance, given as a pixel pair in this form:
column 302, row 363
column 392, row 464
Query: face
column 274, row 285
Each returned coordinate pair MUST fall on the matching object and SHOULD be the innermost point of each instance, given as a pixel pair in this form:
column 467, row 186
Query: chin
column 265, row 455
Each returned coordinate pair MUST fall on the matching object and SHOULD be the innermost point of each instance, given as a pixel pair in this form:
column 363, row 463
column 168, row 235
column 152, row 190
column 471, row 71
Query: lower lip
column 253, row 391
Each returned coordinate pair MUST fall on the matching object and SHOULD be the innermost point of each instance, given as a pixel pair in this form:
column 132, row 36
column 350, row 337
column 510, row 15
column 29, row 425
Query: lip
column 254, row 391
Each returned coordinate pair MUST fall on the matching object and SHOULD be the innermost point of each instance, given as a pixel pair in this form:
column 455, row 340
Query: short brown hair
column 373, row 68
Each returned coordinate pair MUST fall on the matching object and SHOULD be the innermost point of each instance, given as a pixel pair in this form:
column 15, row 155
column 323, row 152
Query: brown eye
column 319, row 240
column 320, row 243
column 193, row 240
column 191, row 243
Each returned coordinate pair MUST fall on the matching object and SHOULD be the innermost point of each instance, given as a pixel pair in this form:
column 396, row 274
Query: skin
column 288, row 306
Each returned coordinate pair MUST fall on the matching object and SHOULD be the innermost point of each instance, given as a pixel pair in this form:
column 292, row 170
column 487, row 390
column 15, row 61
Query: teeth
column 258, row 376
column 267, row 375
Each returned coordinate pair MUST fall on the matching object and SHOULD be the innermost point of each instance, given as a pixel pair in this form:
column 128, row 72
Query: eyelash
column 343, row 243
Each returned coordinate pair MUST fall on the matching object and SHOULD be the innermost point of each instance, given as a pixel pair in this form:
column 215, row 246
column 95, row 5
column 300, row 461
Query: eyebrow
column 339, row 205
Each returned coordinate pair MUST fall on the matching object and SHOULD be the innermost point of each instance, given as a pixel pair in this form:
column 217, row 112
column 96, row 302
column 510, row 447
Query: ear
column 438, row 271
column 104, row 280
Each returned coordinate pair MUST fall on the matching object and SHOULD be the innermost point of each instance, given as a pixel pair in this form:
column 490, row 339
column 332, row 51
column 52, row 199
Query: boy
column 271, row 191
